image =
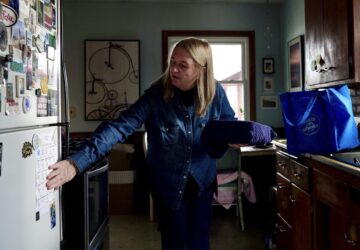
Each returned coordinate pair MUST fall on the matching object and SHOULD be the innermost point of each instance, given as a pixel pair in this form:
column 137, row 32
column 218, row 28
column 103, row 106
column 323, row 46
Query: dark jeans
column 189, row 227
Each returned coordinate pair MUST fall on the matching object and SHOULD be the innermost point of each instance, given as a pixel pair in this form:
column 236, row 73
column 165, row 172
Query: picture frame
column 295, row 64
column 268, row 66
column 268, row 84
column 269, row 102
column 20, row 85
column 112, row 80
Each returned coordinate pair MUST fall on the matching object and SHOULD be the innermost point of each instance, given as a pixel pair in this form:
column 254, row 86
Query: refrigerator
column 32, row 123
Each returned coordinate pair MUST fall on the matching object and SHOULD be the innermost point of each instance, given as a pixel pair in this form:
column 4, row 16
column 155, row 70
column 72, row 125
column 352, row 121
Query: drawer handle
column 297, row 175
column 282, row 229
column 292, row 198
column 281, row 164
column 352, row 243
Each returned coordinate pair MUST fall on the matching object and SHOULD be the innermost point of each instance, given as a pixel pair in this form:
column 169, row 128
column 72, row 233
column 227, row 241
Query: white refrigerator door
column 29, row 213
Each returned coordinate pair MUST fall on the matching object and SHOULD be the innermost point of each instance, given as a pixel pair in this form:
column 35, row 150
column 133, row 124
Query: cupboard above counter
column 332, row 42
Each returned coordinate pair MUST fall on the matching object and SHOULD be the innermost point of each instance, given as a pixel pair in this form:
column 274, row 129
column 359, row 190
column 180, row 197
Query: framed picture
column 268, row 66
column 20, row 85
column 269, row 102
column 295, row 64
column 268, row 84
column 111, row 77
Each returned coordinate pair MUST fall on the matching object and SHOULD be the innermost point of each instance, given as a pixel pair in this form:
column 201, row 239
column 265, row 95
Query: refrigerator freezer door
column 29, row 213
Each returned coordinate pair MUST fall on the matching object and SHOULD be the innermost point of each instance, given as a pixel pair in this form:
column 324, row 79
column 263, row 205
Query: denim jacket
column 174, row 147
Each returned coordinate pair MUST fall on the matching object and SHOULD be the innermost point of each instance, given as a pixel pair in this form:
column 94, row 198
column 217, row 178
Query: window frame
column 168, row 35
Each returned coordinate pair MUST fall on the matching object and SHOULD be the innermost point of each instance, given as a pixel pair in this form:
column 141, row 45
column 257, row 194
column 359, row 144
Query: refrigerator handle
column 66, row 123
column 66, row 94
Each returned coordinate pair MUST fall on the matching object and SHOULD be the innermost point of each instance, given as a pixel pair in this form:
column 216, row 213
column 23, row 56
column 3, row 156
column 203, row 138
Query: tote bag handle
column 308, row 109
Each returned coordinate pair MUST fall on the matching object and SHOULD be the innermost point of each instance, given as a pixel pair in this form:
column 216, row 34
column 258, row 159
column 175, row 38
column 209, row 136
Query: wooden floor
column 136, row 232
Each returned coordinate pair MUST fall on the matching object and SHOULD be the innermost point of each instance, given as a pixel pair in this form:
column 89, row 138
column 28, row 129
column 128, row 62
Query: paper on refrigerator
column 46, row 154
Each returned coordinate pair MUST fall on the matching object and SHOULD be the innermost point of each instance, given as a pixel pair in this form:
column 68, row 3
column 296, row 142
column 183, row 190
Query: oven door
column 97, row 205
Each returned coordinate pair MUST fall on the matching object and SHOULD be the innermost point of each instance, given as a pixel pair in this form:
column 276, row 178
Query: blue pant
column 189, row 227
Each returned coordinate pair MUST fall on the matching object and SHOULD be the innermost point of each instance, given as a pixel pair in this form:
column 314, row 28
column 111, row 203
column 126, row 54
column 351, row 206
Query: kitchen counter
column 257, row 151
column 328, row 160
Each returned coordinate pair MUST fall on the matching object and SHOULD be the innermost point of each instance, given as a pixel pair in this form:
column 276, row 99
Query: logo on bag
column 311, row 125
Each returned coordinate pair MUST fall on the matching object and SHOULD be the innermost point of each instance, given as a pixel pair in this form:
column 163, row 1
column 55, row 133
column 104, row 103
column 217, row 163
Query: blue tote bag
column 319, row 121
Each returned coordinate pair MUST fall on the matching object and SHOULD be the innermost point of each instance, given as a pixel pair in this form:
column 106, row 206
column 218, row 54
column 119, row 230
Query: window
column 229, row 69
column 232, row 58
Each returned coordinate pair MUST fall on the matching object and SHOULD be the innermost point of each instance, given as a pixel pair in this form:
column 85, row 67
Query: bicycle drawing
column 111, row 78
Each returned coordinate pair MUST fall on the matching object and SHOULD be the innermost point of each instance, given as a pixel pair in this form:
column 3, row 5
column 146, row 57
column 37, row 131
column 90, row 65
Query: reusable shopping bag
column 319, row 121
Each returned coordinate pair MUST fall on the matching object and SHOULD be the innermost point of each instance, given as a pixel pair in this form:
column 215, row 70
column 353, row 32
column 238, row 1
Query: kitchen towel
column 227, row 197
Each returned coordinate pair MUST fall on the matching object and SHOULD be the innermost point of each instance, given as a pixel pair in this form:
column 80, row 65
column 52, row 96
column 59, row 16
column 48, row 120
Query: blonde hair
column 200, row 51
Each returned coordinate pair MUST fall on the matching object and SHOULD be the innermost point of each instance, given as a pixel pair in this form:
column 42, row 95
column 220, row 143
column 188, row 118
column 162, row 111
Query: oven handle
column 98, row 170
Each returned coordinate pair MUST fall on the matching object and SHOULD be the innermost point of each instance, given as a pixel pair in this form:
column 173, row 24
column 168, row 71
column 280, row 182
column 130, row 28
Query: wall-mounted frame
column 111, row 77
column 268, row 84
column 295, row 64
column 268, row 66
column 20, row 85
column 269, row 102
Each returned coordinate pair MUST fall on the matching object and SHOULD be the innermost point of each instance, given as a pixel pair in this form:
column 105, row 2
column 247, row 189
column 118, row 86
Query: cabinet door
column 336, row 40
column 313, row 38
column 328, row 36
column 301, row 219
column 353, row 235
column 339, row 231
column 283, row 197
column 284, row 233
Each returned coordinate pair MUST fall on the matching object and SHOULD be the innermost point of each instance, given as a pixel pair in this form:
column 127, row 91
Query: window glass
column 227, row 61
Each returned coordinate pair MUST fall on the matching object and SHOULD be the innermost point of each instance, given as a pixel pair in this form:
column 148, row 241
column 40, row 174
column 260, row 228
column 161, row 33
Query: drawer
column 282, row 164
column 355, row 205
column 299, row 174
column 330, row 191
column 284, row 234
column 283, row 194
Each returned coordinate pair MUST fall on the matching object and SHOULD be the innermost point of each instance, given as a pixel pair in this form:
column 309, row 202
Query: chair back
column 230, row 160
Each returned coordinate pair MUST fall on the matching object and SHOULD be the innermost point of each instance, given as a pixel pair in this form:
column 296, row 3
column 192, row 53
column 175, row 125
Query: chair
column 151, row 201
column 230, row 182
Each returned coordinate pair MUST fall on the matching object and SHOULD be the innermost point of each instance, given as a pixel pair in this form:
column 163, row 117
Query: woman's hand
column 62, row 172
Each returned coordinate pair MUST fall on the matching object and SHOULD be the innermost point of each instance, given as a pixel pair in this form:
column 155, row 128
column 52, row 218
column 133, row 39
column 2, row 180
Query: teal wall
column 294, row 26
column 144, row 21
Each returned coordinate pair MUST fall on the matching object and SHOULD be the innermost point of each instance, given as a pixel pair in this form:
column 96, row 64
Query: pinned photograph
column 52, row 215
column 20, row 86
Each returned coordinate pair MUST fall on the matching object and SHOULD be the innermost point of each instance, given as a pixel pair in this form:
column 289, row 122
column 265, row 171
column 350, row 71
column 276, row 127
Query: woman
column 175, row 109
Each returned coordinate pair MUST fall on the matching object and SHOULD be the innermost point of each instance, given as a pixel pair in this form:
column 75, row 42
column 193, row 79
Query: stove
column 85, row 207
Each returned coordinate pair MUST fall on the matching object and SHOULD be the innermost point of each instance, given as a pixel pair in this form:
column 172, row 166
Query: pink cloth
column 227, row 197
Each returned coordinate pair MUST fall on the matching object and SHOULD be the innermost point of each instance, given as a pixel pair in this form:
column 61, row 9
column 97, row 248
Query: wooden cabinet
column 318, row 204
column 293, row 204
column 332, row 42
column 337, row 211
